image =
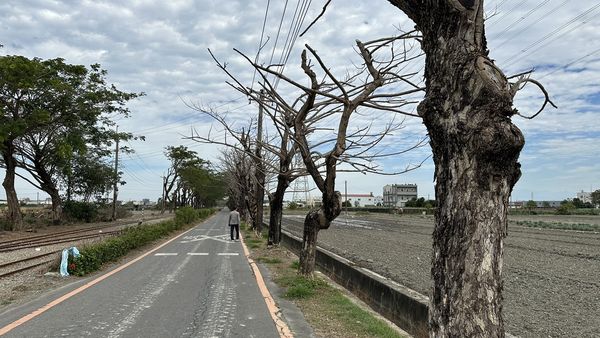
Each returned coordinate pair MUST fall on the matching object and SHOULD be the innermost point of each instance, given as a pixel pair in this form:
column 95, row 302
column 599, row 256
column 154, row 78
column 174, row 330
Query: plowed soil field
column 552, row 277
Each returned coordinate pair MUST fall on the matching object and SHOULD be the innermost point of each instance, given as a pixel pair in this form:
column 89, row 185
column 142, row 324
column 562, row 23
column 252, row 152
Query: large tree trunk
column 48, row 186
column 308, row 253
column 276, row 206
column 467, row 110
column 13, row 216
column 56, row 207
column 315, row 221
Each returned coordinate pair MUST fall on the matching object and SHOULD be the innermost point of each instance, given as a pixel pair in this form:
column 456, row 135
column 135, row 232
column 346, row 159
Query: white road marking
column 165, row 254
column 197, row 238
column 227, row 254
column 197, row 253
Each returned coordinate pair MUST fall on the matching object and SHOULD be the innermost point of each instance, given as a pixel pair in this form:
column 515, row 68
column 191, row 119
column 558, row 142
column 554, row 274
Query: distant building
column 585, row 197
column 360, row 200
column 396, row 195
column 379, row 201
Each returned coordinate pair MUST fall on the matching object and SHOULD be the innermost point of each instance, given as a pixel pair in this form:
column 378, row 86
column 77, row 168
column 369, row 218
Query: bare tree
column 274, row 159
column 237, row 167
column 332, row 100
column 467, row 110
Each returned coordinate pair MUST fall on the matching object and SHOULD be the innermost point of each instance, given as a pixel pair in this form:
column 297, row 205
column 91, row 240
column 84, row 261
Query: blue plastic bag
column 65, row 260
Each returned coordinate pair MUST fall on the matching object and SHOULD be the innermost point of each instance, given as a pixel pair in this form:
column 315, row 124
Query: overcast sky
column 160, row 48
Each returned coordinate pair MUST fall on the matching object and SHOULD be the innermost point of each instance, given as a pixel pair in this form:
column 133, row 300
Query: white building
column 585, row 197
column 360, row 200
column 379, row 201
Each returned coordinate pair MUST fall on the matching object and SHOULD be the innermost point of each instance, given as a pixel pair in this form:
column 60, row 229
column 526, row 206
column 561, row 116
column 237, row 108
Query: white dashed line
column 197, row 253
column 166, row 254
column 227, row 254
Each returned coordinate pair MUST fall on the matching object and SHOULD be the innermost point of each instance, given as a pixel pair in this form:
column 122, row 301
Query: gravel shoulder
column 552, row 277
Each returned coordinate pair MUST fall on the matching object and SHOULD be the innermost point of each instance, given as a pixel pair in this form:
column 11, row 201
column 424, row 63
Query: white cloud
column 160, row 47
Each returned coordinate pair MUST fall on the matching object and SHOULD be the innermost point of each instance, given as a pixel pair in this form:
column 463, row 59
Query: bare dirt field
column 552, row 277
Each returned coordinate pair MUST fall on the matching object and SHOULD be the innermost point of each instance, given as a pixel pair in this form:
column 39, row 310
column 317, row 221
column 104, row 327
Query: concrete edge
column 404, row 307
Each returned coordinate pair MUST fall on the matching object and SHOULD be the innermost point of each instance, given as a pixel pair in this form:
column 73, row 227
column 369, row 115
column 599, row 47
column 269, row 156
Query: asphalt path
column 198, row 285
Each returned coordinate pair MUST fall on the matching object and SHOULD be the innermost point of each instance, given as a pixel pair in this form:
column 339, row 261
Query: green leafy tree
column 596, row 197
column 530, row 205
column 566, row 208
column 89, row 176
column 415, row 203
column 180, row 157
column 65, row 108
column 205, row 186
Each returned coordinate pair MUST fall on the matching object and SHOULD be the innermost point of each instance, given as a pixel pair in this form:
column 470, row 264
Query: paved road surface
column 199, row 285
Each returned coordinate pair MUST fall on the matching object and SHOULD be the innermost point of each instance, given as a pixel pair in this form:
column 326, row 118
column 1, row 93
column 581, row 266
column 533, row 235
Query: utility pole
column 164, row 196
column 116, row 185
column 260, row 171
column 346, row 198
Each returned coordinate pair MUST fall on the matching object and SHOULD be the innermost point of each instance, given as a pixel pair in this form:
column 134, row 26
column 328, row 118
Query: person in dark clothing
column 234, row 223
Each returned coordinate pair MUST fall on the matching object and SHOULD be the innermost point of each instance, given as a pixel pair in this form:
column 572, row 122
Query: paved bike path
column 199, row 285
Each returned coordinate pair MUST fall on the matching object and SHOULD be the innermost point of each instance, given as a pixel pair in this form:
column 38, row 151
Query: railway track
column 15, row 267
column 60, row 234
column 31, row 262
column 55, row 240
column 55, row 234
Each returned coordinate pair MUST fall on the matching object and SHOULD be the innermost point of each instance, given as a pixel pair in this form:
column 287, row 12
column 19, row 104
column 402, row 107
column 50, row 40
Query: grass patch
column 254, row 246
column 360, row 321
column 299, row 287
column 295, row 265
column 327, row 309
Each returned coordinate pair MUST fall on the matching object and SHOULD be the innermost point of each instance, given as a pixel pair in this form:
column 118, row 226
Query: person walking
column 234, row 222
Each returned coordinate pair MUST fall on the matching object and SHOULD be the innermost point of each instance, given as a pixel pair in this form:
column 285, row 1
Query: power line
column 133, row 176
column 556, row 31
column 260, row 44
column 570, row 63
column 519, row 20
column 162, row 127
column 542, row 17
column 295, row 32
column 506, row 13
column 278, row 32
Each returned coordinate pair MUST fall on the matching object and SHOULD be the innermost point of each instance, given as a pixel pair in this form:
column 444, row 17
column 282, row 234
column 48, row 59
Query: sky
column 161, row 48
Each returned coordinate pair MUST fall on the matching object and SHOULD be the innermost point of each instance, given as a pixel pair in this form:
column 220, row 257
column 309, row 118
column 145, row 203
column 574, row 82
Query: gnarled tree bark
column 466, row 109
column 13, row 215
column 276, row 209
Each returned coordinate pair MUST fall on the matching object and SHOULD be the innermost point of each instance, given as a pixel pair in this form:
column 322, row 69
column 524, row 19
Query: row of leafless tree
column 314, row 125
column 467, row 109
